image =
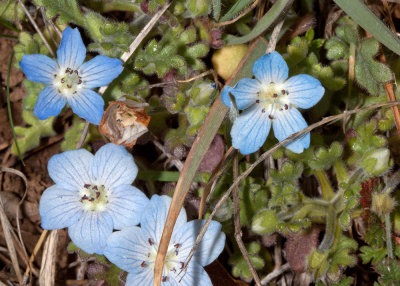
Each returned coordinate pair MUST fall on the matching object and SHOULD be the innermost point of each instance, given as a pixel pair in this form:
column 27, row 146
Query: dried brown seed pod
column 123, row 123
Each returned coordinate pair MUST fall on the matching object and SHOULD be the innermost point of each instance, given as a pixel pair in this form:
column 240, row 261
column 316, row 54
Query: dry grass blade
column 297, row 135
column 48, row 265
column 7, row 229
column 35, row 251
column 214, row 118
column 6, row 224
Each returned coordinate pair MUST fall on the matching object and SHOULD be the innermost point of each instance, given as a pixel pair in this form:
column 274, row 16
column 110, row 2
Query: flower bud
column 226, row 60
column 382, row 203
column 264, row 222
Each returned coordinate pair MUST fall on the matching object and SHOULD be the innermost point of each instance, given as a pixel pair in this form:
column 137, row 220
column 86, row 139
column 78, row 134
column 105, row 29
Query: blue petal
column 114, row 166
column 59, row 207
column 286, row 123
column 91, row 231
column 155, row 215
column 142, row 279
column 210, row 246
column 49, row 103
column 88, row 104
column 304, row 90
column 246, row 92
column 126, row 204
column 71, row 169
column 226, row 99
column 39, row 68
column 100, row 71
column 127, row 249
column 250, row 130
column 194, row 276
column 271, row 68
column 72, row 52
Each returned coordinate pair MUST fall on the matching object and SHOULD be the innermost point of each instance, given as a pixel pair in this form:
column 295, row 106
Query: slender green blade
column 360, row 13
column 161, row 176
column 266, row 21
column 9, row 107
column 238, row 7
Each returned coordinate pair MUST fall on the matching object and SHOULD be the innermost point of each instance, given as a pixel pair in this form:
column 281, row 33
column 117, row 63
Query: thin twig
column 236, row 221
column 84, row 133
column 275, row 273
column 244, row 13
column 385, row 4
column 140, row 37
column 197, row 76
column 295, row 136
column 37, row 28
column 389, row 89
column 274, row 37
column 177, row 163
column 46, row 23
column 35, row 251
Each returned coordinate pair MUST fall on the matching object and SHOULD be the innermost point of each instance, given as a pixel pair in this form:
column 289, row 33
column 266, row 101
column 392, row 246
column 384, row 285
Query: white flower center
column 273, row 98
column 171, row 264
column 94, row 197
column 68, row 81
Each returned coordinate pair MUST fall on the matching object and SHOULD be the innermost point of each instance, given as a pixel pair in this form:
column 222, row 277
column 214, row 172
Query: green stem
column 388, row 229
column 330, row 229
column 326, row 188
column 341, row 173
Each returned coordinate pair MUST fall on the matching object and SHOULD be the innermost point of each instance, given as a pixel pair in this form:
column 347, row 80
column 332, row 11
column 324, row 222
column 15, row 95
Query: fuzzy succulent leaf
column 159, row 59
column 240, row 268
column 29, row 137
column 324, row 158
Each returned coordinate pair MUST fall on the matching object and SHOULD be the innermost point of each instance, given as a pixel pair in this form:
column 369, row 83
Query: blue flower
column 69, row 80
column 271, row 99
column 134, row 249
column 92, row 195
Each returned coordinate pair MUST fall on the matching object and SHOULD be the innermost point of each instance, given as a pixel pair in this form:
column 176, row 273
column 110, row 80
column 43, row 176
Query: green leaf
column 369, row 73
column 73, row 134
column 7, row 10
column 266, row 21
column 372, row 254
column 32, row 91
column 29, row 137
column 360, row 13
column 68, row 10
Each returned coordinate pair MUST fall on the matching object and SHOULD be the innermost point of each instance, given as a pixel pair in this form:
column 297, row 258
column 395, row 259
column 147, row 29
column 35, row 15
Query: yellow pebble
column 226, row 59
